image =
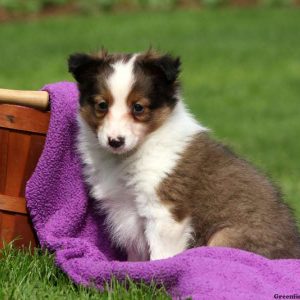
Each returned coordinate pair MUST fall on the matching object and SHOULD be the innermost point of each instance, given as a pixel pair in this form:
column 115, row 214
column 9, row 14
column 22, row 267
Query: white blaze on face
column 118, row 122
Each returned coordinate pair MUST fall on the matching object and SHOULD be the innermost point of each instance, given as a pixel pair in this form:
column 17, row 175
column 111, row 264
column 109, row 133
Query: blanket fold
column 65, row 222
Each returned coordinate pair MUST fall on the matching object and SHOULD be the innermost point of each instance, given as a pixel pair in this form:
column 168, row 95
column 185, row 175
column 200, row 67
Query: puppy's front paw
column 134, row 255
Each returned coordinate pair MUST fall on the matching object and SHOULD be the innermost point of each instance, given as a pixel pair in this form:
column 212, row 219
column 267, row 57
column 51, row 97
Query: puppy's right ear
column 83, row 65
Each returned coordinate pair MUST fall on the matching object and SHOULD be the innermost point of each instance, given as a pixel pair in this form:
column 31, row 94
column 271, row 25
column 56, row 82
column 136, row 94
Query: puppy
column 163, row 183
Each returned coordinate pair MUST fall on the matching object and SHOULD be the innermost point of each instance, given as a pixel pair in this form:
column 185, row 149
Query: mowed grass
column 241, row 77
column 34, row 276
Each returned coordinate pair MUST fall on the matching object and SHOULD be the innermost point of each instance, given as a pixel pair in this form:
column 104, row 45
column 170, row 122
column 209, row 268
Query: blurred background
column 240, row 73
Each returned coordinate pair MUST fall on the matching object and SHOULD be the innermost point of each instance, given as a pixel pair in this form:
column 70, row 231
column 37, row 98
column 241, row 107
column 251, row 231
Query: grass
column 241, row 72
column 26, row 275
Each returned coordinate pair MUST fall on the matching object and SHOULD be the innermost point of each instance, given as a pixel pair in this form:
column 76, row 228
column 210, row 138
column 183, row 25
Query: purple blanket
column 65, row 223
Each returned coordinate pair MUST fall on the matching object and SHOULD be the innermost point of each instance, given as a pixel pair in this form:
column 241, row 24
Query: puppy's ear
column 164, row 66
column 169, row 66
column 83, row 65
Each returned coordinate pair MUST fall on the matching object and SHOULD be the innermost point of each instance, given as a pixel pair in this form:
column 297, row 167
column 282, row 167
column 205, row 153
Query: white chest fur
column 125, row 187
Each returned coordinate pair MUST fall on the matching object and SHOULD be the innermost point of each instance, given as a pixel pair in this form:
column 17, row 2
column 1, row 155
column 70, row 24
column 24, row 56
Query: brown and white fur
column 163, row 183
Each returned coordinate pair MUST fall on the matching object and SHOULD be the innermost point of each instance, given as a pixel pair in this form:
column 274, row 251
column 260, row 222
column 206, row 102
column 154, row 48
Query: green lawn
column 26, row 276
column 241, row 73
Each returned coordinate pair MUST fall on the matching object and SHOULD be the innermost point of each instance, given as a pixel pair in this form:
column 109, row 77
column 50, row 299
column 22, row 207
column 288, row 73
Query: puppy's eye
column 102, row 106
column 137, row 108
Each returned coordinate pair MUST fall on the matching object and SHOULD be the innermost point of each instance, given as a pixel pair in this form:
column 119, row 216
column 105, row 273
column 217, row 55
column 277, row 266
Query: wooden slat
column 18, row 150
column 23, row 118
column 7, row 229
column 3, row 157
column 13, row 204
column 37, row 142
column 24, row 231
column 17, row 228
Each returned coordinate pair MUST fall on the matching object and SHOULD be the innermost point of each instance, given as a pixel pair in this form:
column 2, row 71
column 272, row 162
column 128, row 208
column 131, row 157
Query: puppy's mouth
column 120, row 150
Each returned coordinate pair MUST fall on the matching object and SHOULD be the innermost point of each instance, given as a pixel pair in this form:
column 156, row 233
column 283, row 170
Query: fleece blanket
column 66, row 223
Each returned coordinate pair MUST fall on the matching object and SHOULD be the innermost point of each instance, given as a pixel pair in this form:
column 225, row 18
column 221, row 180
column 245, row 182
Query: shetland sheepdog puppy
column 163, row 183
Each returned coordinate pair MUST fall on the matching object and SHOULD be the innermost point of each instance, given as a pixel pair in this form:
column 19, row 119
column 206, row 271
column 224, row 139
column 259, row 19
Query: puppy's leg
column 244, row 238
column 167, row 237
column 263, row 242
column 134, row 254
column 221, row 238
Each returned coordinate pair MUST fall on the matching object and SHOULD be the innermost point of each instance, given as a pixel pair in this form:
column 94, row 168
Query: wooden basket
column 22, row 136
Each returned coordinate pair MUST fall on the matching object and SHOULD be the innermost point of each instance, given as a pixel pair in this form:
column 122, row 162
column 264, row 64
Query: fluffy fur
column 163, row 183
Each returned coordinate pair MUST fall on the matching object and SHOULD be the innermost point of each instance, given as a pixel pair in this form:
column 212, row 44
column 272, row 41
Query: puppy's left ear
column 83, row 65
column 169, row 66
column 165, row 66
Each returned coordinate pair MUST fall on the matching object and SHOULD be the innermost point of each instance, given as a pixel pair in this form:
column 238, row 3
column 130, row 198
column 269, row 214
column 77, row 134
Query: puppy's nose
column 116, row 143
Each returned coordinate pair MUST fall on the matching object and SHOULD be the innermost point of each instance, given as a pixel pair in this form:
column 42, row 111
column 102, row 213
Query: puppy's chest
column 133, row 182
column 130, row 184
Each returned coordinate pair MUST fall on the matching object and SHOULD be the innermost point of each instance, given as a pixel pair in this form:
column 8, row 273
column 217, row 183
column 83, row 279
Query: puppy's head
column 124, row 97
